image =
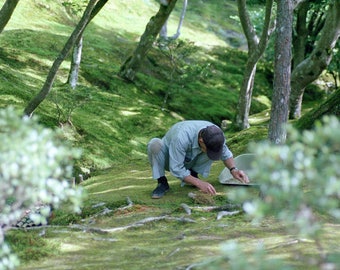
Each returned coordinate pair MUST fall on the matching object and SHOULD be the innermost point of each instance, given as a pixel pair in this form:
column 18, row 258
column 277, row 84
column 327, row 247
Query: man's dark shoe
column 160, row 190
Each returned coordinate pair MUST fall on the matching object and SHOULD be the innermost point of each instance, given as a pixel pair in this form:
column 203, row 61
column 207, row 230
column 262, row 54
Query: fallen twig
column 289, row 243
column 222, row 214
column 226, row 207
column 147, row 220
column 186, row 208
column 174, row 252
column 129, row 204
column 106, row 210
column 133, row 225
column 88, row 229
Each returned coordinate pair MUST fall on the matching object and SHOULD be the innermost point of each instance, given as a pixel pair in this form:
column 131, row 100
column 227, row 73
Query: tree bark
column 299, row 41
column 282, row 72
column 331, row 106
column 78, row 48
column 86, row 18
column 311, row 68
column 75, row 63
column 164, row 31
column 256, row 48
column 6, row 12
column 130, row 67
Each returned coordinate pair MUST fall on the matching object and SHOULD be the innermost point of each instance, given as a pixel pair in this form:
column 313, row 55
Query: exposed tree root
column 224, row 210
column 133, row 225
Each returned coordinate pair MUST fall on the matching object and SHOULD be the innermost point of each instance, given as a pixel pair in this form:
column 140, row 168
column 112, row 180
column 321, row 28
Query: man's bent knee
column 155, row 146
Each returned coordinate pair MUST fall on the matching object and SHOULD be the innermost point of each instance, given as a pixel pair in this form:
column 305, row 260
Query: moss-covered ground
column 112, row 121
column 112, row 234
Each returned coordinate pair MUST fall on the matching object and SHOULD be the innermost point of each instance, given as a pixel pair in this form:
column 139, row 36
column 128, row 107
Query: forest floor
column 129, row 230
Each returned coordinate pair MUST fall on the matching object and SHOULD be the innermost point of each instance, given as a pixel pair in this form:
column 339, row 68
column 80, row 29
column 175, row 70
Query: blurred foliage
column 35, row 170
column 303, row 176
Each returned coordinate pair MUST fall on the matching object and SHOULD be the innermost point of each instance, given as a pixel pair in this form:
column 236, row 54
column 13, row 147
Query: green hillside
column 112, row 119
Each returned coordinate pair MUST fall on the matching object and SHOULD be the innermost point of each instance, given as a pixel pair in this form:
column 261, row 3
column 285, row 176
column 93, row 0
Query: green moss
column 29, row 246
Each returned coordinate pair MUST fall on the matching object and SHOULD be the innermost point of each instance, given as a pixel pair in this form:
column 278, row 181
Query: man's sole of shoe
column 158, row 196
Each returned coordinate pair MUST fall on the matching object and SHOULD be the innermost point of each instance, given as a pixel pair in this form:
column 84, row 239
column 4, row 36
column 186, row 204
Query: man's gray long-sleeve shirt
column 182, row 143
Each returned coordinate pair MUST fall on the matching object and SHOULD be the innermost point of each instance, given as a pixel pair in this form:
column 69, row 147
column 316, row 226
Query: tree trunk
column 311, row 68
column 178, row 32
column 75, row 63
column 78, row 48
column 299, row 42
column 244, row 101
column 164, row 31
column 130, row 67
column 282, row 72
column 87, row 16
column 6, row 12
column 256, row 48
column 331, row 106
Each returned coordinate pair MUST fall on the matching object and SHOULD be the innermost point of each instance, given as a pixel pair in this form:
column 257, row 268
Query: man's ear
column 200, row 139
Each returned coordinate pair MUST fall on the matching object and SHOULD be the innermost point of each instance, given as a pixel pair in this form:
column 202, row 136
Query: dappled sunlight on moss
column 114, row 190
column 71, row 247
column 261, row 118
column 128, row 113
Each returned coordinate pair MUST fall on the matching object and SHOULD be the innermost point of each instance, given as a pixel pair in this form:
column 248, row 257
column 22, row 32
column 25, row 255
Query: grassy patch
column 30, row 246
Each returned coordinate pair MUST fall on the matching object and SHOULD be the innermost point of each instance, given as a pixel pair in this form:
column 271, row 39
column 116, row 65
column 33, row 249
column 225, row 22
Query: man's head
column 213, row 139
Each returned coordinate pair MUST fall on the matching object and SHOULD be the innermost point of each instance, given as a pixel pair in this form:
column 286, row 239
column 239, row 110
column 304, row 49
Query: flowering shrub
column 35, row 169
column 300, row 178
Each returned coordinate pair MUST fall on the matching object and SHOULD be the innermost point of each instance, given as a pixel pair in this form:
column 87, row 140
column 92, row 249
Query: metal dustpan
column 244, row 163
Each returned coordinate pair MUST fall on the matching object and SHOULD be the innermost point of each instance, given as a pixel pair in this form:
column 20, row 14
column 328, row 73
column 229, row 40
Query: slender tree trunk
column 310, row 69
column 246, row 91
column 164, row 31
column 331, row 106
column 6, row 12
column 75, row 63
column 299, row 43
column 87, row 16
column 256, row 48
column 282, row 72
column 78, row 48
column 130, row 67
column 184, row 9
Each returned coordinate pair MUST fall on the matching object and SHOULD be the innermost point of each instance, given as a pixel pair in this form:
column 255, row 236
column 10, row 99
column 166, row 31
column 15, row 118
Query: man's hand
column 206, row 187
column 202, row 185
column 240, row 176
column 236, row 173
